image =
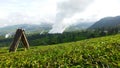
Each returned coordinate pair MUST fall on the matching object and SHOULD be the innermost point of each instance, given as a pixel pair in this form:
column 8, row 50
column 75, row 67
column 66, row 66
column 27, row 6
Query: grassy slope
column 97, row 52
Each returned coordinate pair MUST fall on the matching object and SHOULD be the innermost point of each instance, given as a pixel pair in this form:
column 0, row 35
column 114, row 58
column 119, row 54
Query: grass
column 101, row 52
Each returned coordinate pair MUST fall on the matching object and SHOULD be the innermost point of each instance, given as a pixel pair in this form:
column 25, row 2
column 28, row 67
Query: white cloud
column 26, row 11
column 59, row 12
column 66, row 10
column 74, row 10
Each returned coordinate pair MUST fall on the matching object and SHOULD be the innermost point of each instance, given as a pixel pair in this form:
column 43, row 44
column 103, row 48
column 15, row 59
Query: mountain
column 79, row 26
column 106, row 23
column 44, row 27
column 30, row 28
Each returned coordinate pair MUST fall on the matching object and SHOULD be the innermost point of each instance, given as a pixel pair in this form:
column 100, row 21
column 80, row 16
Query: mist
column 60, row 13
column 66, row 10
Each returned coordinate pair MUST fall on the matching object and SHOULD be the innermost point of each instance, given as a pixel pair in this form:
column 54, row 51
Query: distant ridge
column 40, row 28
column 106, row 23
column 30, row 28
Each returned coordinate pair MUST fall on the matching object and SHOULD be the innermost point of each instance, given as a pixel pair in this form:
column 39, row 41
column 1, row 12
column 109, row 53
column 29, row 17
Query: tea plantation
column 101, row 52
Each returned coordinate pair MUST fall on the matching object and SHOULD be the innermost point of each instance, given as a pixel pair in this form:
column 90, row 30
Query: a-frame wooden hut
column 19, row 36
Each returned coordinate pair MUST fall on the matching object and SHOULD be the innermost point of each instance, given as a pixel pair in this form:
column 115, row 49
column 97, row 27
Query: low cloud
column 66, row 10
column 14, row 12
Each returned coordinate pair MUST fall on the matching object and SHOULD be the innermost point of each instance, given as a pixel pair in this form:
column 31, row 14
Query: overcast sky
column 60, row 12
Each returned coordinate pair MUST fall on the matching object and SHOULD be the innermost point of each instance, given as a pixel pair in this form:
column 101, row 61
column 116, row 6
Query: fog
column 60, row 13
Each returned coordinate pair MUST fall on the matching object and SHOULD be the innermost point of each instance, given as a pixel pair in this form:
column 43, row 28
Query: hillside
column 43, row 27
column 79, row 26
column 101, row 52
column 106, row 23
column 30, row 28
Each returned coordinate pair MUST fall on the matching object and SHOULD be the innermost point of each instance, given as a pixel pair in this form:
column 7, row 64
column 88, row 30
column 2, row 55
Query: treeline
column 49, row 39
column 106, row 31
